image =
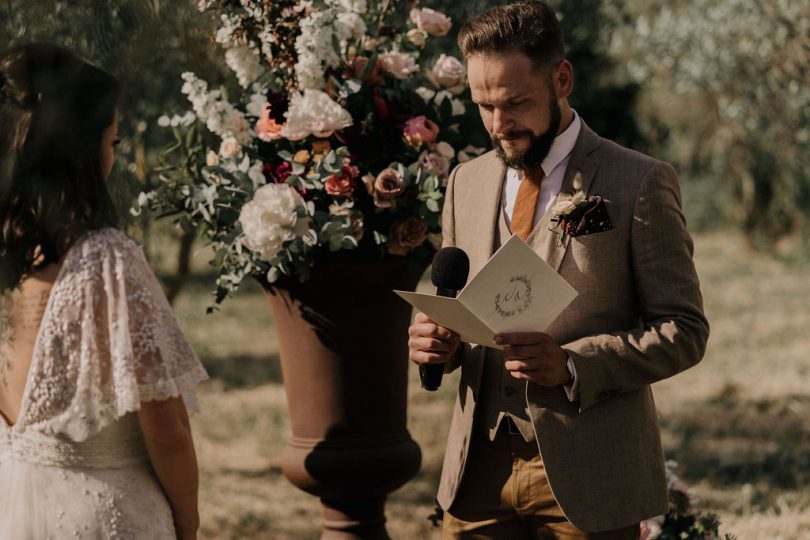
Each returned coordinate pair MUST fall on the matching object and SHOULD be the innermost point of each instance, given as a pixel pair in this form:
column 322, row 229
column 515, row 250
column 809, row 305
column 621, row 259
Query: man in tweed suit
column 557, row 436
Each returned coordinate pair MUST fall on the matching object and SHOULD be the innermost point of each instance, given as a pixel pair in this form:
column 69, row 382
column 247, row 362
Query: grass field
column 738, row 424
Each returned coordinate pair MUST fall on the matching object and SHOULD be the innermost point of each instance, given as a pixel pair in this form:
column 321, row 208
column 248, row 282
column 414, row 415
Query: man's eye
column 116, row 142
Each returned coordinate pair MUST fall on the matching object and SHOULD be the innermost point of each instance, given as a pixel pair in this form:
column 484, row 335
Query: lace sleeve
column 111, row 342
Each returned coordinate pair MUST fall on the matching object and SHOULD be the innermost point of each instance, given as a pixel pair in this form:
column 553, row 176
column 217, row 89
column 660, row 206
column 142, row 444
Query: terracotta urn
column 343, row 343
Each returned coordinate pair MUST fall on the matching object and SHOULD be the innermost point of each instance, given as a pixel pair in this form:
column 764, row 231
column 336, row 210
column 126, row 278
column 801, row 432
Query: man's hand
column 429, row 343
column 535, row 356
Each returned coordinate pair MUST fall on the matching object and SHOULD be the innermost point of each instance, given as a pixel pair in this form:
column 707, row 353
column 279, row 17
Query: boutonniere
column 579, row 214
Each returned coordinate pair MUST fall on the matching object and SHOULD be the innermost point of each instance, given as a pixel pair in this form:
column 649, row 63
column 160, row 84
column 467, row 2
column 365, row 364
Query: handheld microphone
column 451, row 266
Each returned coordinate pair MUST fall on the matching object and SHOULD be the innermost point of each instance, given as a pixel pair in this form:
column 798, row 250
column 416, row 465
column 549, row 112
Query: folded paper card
column 516, row 291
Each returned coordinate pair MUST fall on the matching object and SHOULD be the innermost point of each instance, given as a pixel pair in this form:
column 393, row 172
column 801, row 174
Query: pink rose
column 400, row 65
column 407, row 235
column 385, row 187
column 431, row 21
column 448, row 72
column 419, row 130
column 436, row 162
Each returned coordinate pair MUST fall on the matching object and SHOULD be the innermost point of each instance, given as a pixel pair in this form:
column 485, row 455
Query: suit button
column 509, row 391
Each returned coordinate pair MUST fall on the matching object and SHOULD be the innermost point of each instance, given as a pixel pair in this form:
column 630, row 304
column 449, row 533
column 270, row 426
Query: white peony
column 314, row 113
column 271, row 219
column 400, row 65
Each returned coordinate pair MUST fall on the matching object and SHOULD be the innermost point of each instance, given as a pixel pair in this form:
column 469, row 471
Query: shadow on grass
column 241, row 372
column 273, row 471
column 730, row 440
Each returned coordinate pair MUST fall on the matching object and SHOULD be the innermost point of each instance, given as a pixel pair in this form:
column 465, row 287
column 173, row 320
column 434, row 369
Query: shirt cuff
column 572, row 390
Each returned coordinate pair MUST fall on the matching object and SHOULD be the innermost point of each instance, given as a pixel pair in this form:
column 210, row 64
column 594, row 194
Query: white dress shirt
column 554, row 166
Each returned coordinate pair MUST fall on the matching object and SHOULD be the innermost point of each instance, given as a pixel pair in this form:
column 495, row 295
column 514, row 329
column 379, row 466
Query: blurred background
column 720, row 88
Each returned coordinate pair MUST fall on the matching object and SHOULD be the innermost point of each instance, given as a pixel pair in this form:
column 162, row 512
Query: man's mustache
column 512, row 135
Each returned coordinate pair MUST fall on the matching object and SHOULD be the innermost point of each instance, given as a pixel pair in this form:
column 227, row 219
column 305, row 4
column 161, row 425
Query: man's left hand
column 536, row 357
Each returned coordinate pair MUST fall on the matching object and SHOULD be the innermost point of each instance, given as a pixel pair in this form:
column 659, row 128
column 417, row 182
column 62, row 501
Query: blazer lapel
column 487, row 202
column 579, row 175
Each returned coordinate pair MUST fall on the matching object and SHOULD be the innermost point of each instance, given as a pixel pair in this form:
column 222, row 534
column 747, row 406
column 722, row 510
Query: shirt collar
column 562, row 146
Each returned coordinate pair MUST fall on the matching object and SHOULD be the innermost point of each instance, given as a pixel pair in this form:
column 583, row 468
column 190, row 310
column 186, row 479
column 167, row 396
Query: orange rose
column 342, row 184
column 266, row 128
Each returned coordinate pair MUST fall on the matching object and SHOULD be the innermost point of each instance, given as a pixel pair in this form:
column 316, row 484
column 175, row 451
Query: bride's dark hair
column 54, row 108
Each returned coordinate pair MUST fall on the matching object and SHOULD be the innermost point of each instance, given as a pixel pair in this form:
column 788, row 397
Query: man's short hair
column 528, row 26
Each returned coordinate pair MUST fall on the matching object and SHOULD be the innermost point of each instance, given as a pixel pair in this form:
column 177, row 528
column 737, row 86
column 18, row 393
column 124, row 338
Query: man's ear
column 564, row 79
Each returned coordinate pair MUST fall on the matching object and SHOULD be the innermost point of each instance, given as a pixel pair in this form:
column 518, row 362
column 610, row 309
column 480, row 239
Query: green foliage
column 726, row 95
column 605, row 103
column 145, row 43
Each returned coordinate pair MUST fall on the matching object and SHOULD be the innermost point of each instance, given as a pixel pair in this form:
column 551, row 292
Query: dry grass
column 738, row 424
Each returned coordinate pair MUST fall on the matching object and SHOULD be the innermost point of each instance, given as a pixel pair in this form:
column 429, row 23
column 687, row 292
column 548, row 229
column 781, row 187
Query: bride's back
column 21, row 314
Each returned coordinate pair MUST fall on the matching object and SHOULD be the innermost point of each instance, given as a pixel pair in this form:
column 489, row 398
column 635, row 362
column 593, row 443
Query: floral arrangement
column 338, row 141
column 683, row 521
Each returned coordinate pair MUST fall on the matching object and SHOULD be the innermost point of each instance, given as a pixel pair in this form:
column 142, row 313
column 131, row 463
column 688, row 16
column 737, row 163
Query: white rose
column 230, row 148
column 563, row 207
column 431, row 21
column 448, row 71
column 271, row 219
column 417, row 37
column 211, row 159
column 425, row 93
column 469, row 152
column 314, row 113
column 445, row 150
column 400, row 65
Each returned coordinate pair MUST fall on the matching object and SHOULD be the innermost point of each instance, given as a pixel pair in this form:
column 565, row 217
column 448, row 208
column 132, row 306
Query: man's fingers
column 429, row 344
column 431, row 329
column 520, row 365
column 522, row 338
column 424, row 357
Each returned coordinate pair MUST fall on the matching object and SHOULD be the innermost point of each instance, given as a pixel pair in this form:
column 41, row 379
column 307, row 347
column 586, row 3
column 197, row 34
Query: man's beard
column 539, row 145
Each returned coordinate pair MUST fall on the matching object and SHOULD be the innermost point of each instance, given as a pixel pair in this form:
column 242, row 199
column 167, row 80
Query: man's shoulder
column 480, row 168
column 630, row 165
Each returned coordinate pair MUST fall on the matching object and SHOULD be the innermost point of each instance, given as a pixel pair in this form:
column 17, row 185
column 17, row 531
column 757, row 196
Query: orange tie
column 525, row 206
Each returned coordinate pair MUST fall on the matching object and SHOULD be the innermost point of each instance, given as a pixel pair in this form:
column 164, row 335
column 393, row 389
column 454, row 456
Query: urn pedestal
column 343, row 344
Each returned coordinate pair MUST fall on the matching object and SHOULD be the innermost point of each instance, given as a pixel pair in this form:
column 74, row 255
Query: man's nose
column 501, row 122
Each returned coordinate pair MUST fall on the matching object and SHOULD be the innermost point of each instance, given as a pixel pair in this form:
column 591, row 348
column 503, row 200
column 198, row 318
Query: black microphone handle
column 431, row 374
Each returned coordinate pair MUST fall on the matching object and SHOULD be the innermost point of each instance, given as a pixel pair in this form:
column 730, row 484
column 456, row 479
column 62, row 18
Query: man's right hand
column 429, row 343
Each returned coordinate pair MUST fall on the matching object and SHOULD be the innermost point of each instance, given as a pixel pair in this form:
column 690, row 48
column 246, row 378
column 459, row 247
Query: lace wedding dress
column 74, row 465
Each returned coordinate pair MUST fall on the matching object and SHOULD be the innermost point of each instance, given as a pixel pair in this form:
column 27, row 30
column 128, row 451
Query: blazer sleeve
column 449, row 240
column 673, row 329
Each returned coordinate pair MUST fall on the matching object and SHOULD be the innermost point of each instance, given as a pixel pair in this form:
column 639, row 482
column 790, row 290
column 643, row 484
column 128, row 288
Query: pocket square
column 589, row 218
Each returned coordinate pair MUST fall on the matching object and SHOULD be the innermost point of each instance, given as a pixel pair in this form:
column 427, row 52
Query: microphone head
column 451, row 266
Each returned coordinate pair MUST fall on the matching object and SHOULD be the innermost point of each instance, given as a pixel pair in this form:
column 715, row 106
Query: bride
column 95, row 374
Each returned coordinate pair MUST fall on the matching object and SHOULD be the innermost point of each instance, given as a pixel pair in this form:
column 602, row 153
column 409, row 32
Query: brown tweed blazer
column 638, row 319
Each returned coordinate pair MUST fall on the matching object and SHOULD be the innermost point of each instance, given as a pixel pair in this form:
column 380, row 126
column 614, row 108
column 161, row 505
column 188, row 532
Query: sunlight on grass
column 738, row 423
